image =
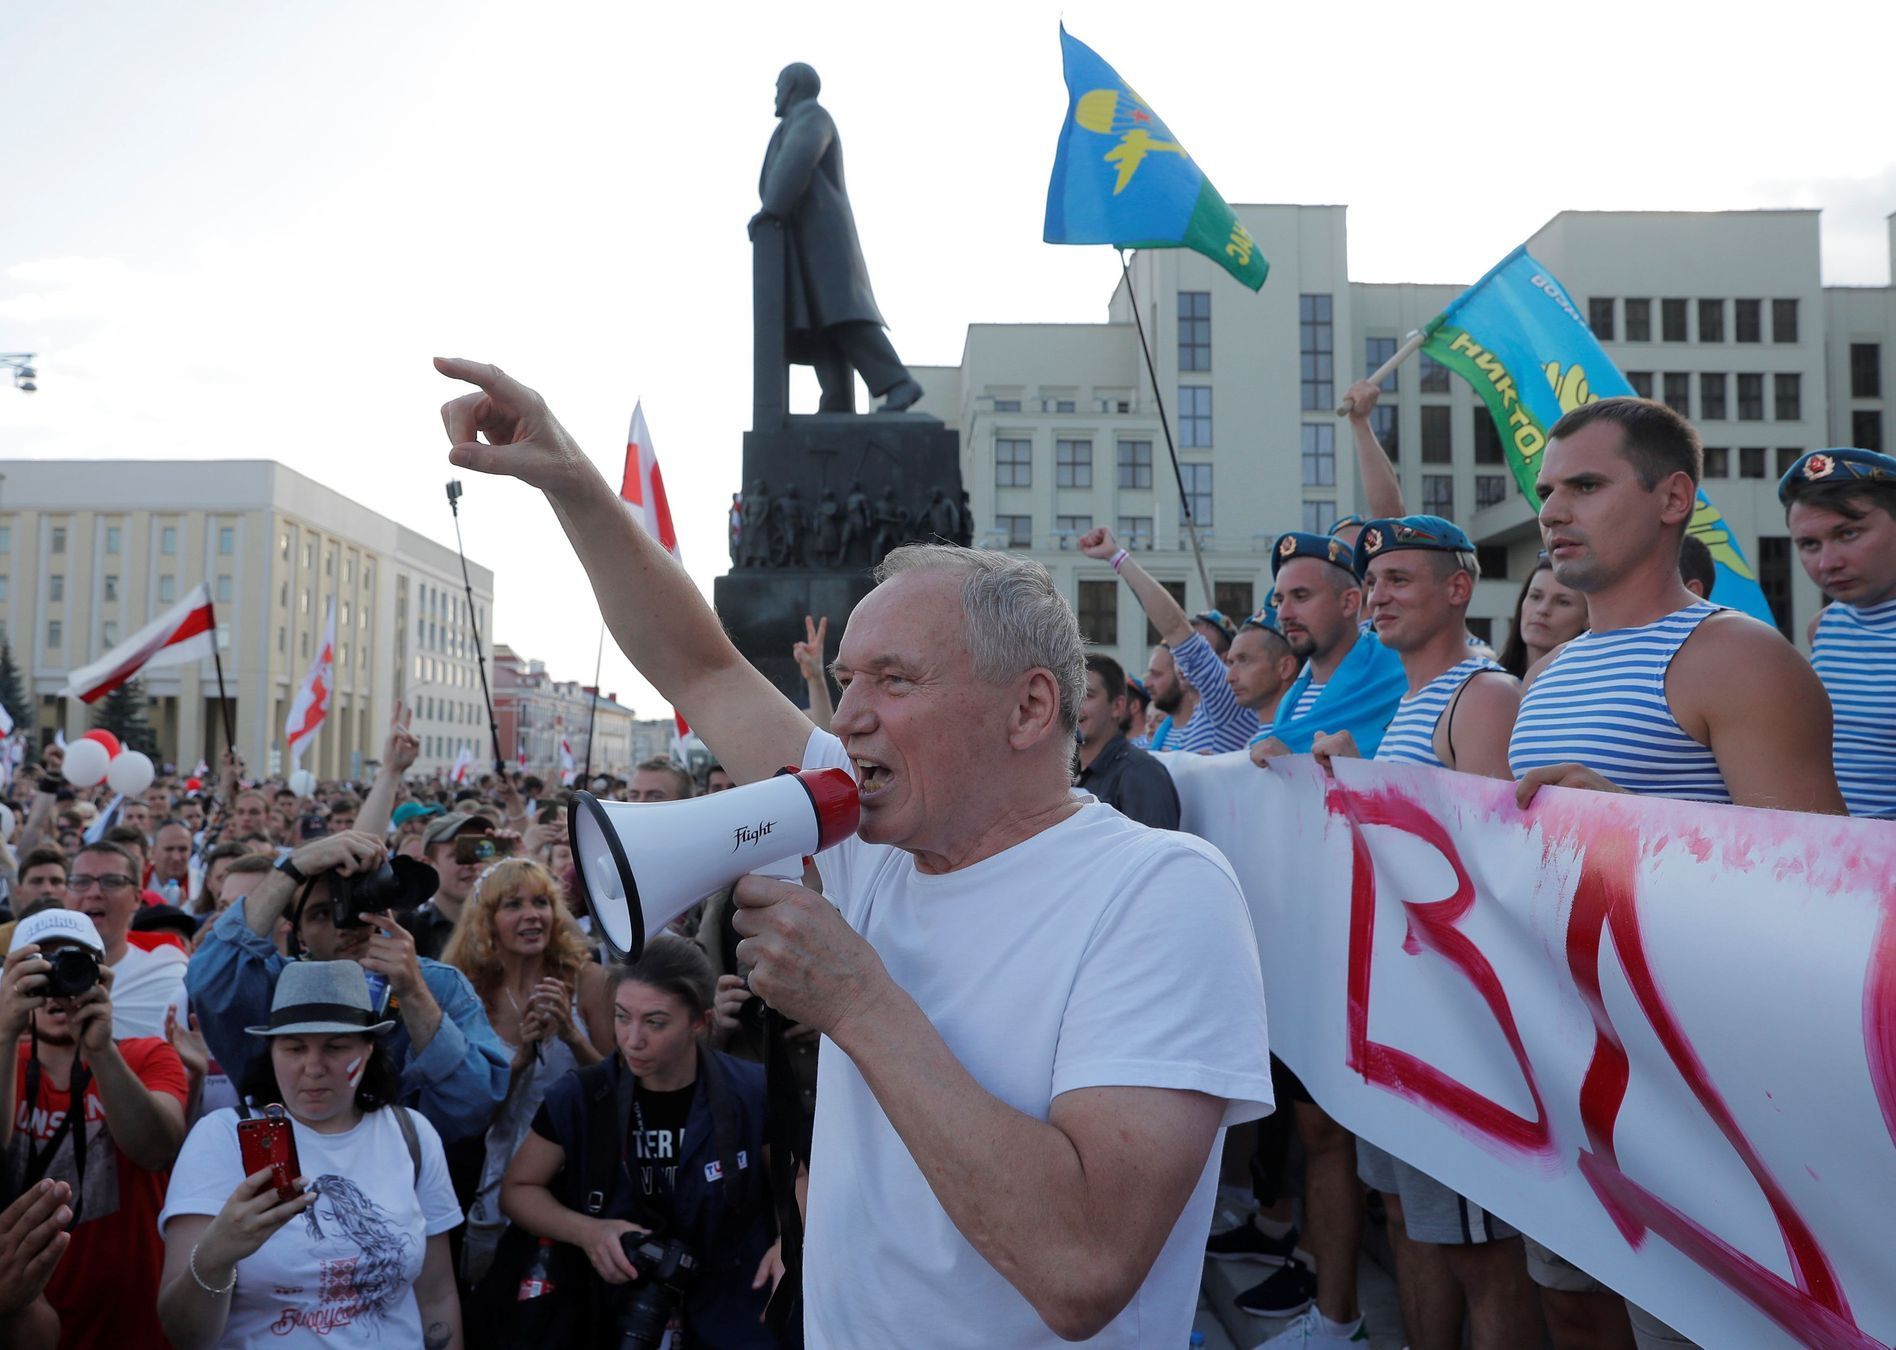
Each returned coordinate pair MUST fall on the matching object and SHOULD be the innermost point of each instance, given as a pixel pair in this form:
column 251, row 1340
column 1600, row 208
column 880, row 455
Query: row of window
column 1064, row 405
column 329, row 561
column 1747, row 320
column 1715, row 402
column 115, row 540
column 431, row 709
column 1072, row 463
column 222, row 591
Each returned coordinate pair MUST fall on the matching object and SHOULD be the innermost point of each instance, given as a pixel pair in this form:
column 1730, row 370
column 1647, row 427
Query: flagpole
column 1184, row 500
column 223, row 699
column 592, row 713
column 1409, row 347
column 474, row 627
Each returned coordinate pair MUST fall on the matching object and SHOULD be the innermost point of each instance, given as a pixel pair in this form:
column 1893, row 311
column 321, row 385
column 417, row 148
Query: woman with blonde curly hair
column 546, row 998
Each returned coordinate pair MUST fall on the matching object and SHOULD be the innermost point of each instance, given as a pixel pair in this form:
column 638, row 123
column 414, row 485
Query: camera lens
column 74, row 970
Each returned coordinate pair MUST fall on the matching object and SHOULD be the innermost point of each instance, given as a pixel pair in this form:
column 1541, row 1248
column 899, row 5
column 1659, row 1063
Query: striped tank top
column 1602, row 703
column 1410, row 738
column 1854, row 653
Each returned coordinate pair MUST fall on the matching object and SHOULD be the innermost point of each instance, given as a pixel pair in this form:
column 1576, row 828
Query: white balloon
column 86, row 763
column 130, row 773
column 303, row 782
column 6, row 822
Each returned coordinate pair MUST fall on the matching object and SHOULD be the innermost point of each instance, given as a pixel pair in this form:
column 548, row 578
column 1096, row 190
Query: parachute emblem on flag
column 1123, row 114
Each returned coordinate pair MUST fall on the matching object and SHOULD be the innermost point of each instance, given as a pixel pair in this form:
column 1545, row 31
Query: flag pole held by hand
column 1387, row 368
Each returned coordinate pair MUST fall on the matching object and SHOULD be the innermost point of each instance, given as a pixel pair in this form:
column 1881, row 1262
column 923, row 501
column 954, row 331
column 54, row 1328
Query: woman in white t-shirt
column 360, row 1258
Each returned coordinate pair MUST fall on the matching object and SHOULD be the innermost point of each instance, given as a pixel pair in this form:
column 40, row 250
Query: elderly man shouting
column 1038, row 1016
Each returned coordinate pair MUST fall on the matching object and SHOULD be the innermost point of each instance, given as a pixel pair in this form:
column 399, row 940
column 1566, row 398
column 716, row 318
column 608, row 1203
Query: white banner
column 1659, row 1037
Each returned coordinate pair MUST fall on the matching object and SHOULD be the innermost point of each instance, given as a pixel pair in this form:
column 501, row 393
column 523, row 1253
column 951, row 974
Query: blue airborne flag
column 1121, row 177
column 1518, row 340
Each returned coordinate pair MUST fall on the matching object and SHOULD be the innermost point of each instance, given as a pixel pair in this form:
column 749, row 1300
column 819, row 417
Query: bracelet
column 192, row 1262
column 1118, row 559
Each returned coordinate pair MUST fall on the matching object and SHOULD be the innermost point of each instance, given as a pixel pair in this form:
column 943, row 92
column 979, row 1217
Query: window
column 111, row 586
column 302, row 602
column 1492, row 559
column 1491, row 489
column 1600, row 317
column 1488, row 447
column 1712, row 398
column 329, row 564
column 1751, row 398
column 1711, row 320
column 59, row 539
column 223, row 588
column 1751, row 462
column 345, row 613
column 1319, row 454
column 1194, row 330
column 1866, row 429
column 1774, row 578
column 6, row 539
column 1018, row 529
column 55, row 633
column 1070, row 528
column 1672, row 321
column 1437, row 438
column 1748, row 320
column 282, row 640
column 1318, row 517
column 1013, row 463
column 1175, row 589
column 1135, row 464
column 1194, row 417
column 1866, row 370
column 1786, row 456
column 1098, row 612
column 1377, row 350
column 1073, row 464
column 56, row 587
column 6, row 592
column 1197, row 493
column 1639, row 320
column 114, row 538
column 283, row 546
column 1382, row 421
column 1135, row 532
column 1006, row 405
column 1434, row 375
column 226, row 541
column 168, row 541
column 1438, row 495
column 1316, row 345
column 349, row 572
column 1784, row 320
column 1678, row 390
column 1788, row 388
column 167, row 590
column 1232, row 599
column 1641, row 380
column 108, row 632
column 1717, row 462
column 1063, row 405
column 309, row 555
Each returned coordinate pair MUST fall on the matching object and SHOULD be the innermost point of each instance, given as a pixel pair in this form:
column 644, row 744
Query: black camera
column 665, row 1267
column 74, row 970
column 398, row 884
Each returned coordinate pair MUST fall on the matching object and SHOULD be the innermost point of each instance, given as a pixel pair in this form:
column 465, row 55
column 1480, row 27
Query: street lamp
column 25, row 378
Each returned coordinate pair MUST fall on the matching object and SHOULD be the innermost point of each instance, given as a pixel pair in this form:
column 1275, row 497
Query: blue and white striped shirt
column 1854, row 653
column 1308, row 699
column 1220, row 723
column 1602, row 703
column 1410, row 738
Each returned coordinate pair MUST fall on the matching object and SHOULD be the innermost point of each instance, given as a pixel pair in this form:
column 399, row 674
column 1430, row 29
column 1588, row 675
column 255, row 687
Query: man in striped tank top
column 1665, row 695
column 1421, row 572
column 1841, row 505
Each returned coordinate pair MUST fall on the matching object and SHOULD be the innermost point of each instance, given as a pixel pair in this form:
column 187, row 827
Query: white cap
column 58, row 925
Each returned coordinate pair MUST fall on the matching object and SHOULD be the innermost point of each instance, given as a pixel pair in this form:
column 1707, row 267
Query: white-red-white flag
column 185, row 632
column 311, row 705
column 462, row 759
column 566, row 761
column 643, row 490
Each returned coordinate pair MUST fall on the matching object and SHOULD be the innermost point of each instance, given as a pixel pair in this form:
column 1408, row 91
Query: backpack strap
column 717, row 1088
column 409, row 1137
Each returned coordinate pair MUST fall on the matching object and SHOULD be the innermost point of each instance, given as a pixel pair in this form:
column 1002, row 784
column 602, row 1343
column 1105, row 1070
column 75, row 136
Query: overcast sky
column 241, row 229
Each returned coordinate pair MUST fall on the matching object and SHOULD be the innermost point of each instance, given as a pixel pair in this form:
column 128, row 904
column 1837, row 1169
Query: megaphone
column 642, row 864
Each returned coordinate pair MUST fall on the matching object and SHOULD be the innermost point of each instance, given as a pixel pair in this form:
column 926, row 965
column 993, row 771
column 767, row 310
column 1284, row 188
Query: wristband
column 1118, row 559
column 290, row 870
column 192, row 1262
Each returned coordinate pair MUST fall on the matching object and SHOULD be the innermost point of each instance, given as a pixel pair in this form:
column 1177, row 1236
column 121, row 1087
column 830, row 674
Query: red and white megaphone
column 642, row 864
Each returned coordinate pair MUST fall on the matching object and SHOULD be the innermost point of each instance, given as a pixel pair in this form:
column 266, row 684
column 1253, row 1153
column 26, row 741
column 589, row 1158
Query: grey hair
column 1015, row 617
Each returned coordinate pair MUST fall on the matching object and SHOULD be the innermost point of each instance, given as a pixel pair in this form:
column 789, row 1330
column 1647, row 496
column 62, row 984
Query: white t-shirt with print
column 1098, row 953
column 342, row 1273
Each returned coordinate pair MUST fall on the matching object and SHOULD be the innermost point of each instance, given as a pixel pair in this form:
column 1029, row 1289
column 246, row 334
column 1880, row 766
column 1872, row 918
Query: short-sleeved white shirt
column 1097, row 953
column 342, row 1273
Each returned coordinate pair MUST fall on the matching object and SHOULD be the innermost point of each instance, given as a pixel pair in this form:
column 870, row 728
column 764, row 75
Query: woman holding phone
column 318, row 1213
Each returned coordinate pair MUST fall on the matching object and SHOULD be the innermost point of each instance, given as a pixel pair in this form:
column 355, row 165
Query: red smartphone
column 270, row 1141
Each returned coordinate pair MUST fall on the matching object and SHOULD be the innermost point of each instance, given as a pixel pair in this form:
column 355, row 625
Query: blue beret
column 1393, row 533
column 1298, row 544
column 1836, row 466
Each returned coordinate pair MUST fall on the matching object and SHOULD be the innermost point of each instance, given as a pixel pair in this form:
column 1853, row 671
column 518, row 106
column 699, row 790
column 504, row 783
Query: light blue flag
column 1520, row 342
column 1121, row 177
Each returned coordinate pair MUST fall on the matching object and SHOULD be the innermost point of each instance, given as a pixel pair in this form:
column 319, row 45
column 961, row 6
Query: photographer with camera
column 105, row 1116
column 651, row 1164
column 459, row 847
column 148, row 968
column 340, row 893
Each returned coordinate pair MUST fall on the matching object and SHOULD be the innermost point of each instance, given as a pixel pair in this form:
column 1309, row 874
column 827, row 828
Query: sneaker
column 1307, row 1333
column 1283, row 1292
column 1246, row 1243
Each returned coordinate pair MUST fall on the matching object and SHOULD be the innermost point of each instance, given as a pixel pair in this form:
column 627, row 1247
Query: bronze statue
column 944, row 517
column 828, row 530
column 787, row 541
column 857, row 522
column 892, row 524
column 756, row 527
column 830, row 313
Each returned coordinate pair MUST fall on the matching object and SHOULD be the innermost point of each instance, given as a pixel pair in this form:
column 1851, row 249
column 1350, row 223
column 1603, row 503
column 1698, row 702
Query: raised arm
column 809, row 658
column 1173, row 623
column 655, row 613
column 1382, row 490
column 398, row 756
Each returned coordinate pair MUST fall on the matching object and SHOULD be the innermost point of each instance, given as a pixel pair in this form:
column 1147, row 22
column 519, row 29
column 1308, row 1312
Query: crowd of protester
column 497, row 1133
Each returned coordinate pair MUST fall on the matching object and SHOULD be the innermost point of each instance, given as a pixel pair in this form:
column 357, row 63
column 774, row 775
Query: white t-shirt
column 143, row 985
column 342, row 1273
column 1097, row 953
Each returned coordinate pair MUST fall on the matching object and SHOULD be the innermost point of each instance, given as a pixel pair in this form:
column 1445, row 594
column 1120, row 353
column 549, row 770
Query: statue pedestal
column 763, row 606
